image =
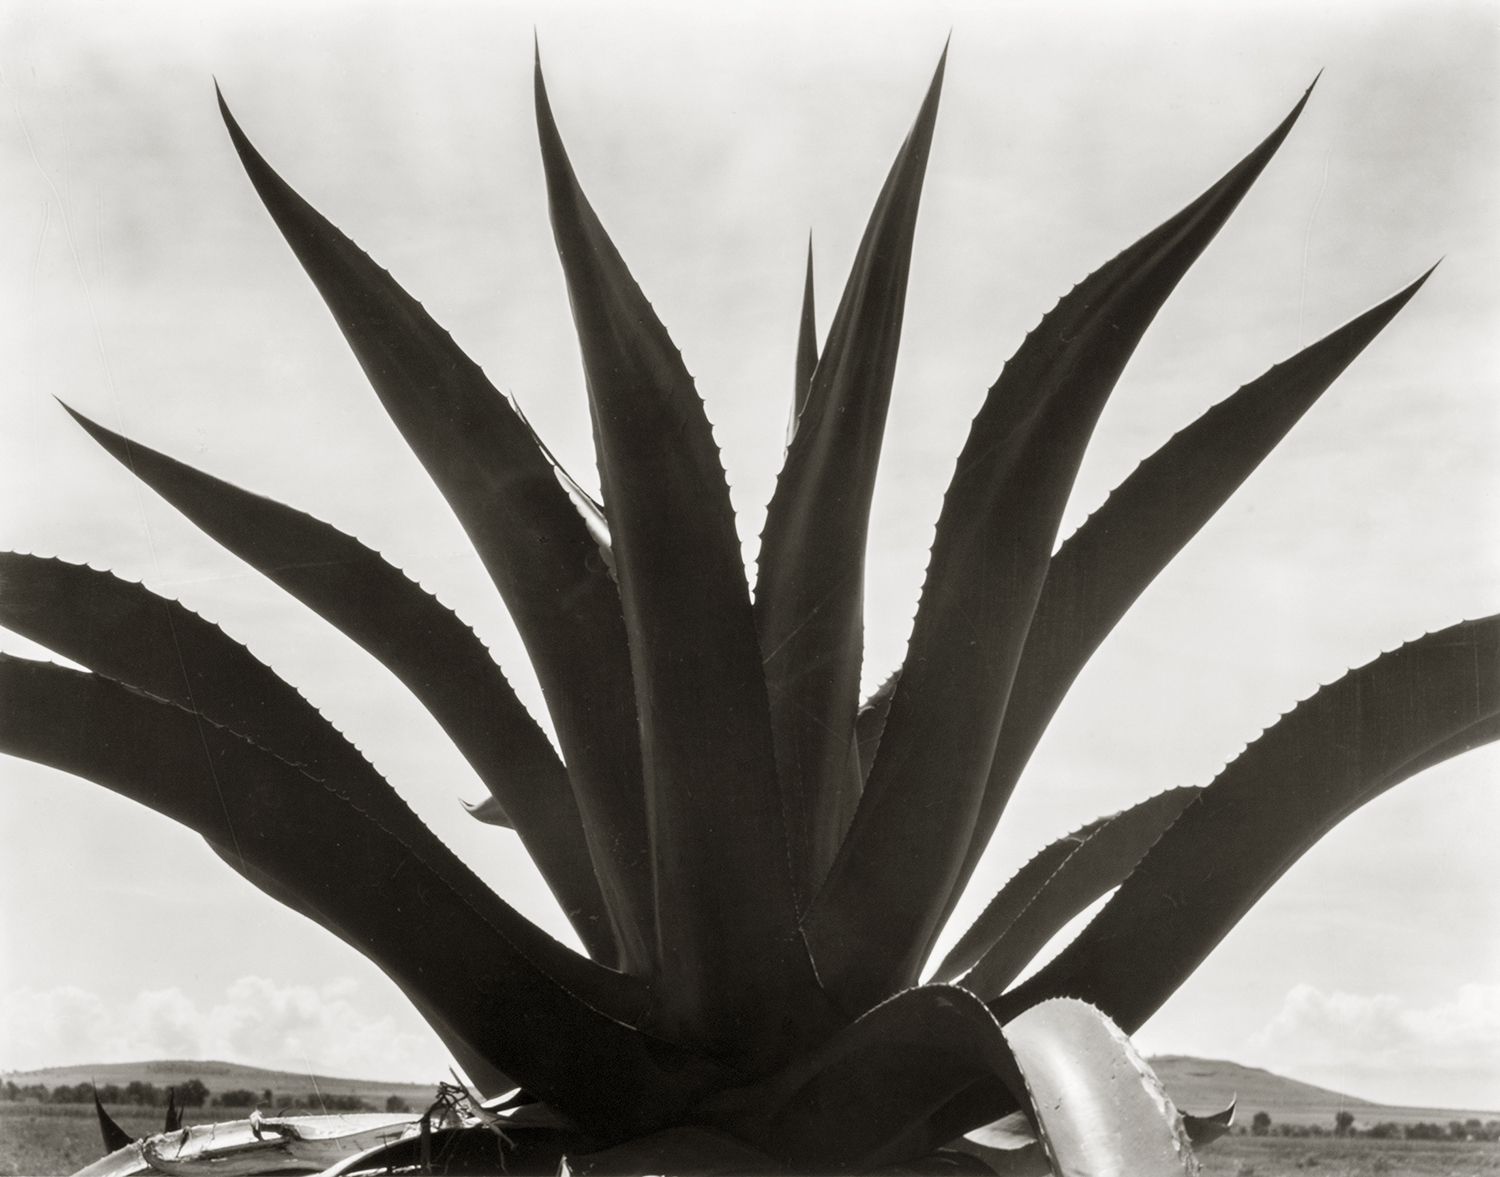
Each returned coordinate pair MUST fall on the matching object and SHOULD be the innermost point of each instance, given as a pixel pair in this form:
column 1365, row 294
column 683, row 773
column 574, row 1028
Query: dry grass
column 52, row 1140
column 1280, row 1156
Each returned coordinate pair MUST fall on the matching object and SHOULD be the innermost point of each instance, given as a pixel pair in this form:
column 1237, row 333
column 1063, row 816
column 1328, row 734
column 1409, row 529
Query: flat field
column 1327, row 1156
column 52, row 1140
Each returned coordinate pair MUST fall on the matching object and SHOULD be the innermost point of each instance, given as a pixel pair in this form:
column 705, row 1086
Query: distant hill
column 219, row 1077
column 1204, row 1085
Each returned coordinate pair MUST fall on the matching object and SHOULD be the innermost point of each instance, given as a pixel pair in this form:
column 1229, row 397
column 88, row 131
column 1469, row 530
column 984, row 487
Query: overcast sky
column 141, row 281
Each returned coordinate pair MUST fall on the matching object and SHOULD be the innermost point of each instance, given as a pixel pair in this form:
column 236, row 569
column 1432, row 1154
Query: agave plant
column 757, row 862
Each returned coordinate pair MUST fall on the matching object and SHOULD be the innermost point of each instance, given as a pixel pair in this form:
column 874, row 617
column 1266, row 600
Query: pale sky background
column 141, row 280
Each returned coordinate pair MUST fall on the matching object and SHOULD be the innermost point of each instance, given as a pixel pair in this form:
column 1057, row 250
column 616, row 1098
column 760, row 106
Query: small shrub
column 239, row 1098
column 192, row 1094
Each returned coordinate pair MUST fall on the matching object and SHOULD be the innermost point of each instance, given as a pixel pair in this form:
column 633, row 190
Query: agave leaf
column 1012, row 1147
column 1100, row 1107
column 212, row 663
column 501, row 988
column 865, row 1097
column 809, row 598
column 481, row 1072
column 422, row 642
column 807, row 350
column 115, row 1137
column 871, row 925
column 1009, row 902
column 1007, row 1133
column 1107, row 563
column 129, row 634
column 526, row 530
column 1102, row 861
column 869, row 722
column 491, row 813
column 1333, row 752
column 700, row 1151
column 1203, row 1130
column 735, row 972
column 952, row 1162
column 173, row 1119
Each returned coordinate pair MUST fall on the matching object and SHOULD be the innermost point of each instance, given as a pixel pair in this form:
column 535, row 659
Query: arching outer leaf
column 1011, row 900
column 809, row 599
column 866, row 1097
column 1107, row 563
column 422, row 642
column 488, row 1078
column 1100, row 1107
column 872, row 923
column 128, row 633
column 534, row 544
column 1333, row 752
column 470, row 957
column 330, row 762
column 735, row 973
column 1102, row 861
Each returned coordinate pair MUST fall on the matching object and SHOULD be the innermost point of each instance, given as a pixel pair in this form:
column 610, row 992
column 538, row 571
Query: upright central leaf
column 809, row 605
column 735, row 973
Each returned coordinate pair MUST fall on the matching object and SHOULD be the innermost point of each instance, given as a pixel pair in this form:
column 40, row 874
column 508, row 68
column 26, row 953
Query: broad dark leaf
column 871, row 925
column 1107, row 854
column 735, row 972
column 1107, row 563
column 481, row 967
column 809, row 598
column 421, row 641
column 866, row 1097
column 530, row 538
column 1336, row 750
column 685, row 1149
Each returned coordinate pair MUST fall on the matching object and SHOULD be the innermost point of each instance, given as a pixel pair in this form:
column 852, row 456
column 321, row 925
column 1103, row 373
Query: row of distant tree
column 1344, row 1125
column 193, row 1093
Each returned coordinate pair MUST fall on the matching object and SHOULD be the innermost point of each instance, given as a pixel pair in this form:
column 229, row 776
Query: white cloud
column 1378, row 1047
column 259, row 1023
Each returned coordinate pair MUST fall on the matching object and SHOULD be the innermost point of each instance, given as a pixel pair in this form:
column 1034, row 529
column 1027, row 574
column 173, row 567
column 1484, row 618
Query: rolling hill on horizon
column 1195, row 1084
column 1204, row 1085
column 221, row 1076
